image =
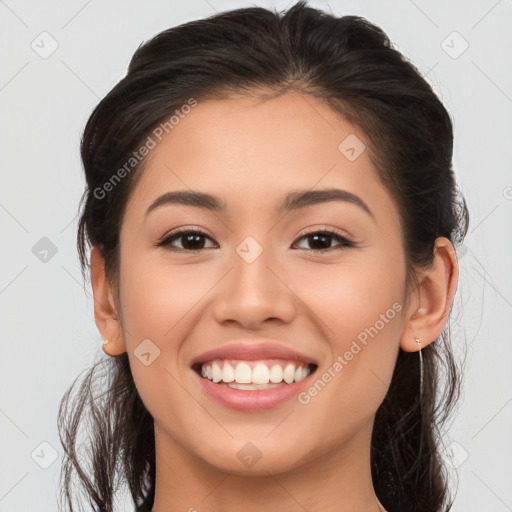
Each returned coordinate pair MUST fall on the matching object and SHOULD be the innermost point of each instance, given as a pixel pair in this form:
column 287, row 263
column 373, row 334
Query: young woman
column 272, row 213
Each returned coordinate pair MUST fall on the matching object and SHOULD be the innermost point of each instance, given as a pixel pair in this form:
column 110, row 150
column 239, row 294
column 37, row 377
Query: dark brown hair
column 350, row 64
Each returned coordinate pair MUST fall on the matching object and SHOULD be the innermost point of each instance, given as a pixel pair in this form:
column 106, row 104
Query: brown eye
column 320, row 241
column 191, row 240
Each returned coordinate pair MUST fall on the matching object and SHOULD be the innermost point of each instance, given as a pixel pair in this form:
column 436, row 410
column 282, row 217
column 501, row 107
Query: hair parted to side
column 351, row 64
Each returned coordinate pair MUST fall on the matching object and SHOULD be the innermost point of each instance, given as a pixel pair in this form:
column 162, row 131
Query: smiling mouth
column 254, row 375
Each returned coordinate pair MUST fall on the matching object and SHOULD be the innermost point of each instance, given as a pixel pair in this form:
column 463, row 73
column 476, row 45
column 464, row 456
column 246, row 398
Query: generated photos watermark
column 343, row 360
column 152, row 140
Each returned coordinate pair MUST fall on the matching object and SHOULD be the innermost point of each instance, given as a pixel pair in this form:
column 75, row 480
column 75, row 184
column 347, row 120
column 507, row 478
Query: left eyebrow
column 304, row 198
column 293, row 201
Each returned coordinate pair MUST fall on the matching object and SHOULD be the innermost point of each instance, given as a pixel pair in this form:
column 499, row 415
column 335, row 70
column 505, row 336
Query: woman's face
column 255, row 279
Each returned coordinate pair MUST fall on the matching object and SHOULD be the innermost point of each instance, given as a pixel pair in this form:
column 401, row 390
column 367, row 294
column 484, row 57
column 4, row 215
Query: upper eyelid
column 184, row 230
column 310, row 231
column 324, row 229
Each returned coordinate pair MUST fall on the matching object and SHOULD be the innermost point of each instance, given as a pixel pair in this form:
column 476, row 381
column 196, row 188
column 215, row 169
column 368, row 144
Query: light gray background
column 47, row 324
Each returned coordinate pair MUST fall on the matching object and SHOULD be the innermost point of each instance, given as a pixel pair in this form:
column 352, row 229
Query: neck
column 337, row 481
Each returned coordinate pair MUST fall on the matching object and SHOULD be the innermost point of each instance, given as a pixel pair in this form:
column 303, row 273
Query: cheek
column 156, row 297
column 359, row 310
column 351, row 296
column 157, row 303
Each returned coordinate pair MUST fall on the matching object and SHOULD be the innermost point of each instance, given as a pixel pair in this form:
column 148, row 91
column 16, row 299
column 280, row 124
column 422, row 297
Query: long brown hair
column 351, row 64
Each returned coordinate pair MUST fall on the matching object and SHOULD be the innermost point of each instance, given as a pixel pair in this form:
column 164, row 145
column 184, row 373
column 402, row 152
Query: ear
column 105, row 309
column 429, row 308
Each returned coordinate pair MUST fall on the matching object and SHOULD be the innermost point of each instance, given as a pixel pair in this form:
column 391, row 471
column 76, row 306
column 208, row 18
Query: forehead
column 249, row 149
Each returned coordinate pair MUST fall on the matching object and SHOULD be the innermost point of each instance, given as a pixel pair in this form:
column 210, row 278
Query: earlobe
column 106, row 316
column 434, row 296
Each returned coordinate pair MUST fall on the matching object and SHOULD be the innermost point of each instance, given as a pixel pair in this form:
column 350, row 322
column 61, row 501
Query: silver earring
column 105, row 342
column 417, row 340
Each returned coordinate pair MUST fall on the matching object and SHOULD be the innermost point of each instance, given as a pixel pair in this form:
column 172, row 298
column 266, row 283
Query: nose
column 254, row 293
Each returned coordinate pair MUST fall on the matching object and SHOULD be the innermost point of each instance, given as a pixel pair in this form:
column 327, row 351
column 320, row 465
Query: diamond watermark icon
column 44, row 45
column 249, row 249
column 455, row 454
column 44, row 455
column 249, row 454
column 461, row 250
column 454, row 45
column 146, row 352
column 351, row 147
column 44, row 250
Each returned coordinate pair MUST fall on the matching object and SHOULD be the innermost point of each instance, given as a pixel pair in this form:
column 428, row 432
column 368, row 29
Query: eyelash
column 344, row 241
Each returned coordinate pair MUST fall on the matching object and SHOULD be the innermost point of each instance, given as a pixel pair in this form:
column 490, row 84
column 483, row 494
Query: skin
column 251, row 153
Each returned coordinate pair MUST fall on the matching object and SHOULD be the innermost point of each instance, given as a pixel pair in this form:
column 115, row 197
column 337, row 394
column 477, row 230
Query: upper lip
column 253, row 351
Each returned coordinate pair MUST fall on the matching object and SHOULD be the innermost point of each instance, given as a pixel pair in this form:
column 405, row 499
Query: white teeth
column 260, row 374
column 228, row 373
column 276, row 373
column 234, row 385
column 300, row 373
column 260, row 377
column 243, row 373
column 289, row 373
column 216, row 372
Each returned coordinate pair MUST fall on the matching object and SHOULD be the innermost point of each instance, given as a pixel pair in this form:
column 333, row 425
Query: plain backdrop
column 59, row 58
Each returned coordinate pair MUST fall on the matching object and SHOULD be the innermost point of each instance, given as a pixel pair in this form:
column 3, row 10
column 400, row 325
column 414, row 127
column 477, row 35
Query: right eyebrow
column 188, row 198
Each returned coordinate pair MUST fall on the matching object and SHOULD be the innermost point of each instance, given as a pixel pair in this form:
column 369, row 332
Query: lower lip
column 252, row 399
